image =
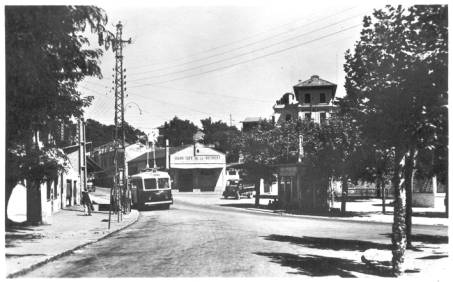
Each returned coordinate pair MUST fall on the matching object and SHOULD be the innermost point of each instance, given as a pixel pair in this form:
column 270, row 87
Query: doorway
column 185, row 181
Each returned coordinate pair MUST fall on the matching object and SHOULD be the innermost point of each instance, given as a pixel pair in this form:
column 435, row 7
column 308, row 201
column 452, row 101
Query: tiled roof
column 315, row 81
column 252, row 119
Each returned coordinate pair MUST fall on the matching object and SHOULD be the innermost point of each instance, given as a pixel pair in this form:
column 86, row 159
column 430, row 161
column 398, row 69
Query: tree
column 341, row 152
column 378, row 165
column 178, row 131
column 396, row 84
column 266, row 145
column 223, row 137
column 100, row 134
column 47, row 54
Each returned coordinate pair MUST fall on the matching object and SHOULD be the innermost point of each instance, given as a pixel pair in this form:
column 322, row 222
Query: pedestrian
column 86, row 202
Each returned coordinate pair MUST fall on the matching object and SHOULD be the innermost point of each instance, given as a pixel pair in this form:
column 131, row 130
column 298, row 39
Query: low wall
column 424, row 200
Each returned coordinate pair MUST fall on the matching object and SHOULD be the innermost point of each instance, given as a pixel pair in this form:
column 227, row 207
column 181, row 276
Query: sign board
column 206, row 158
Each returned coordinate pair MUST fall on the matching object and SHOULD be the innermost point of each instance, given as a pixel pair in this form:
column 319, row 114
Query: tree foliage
column 46, row 55
column 222, row 136
column 178, row 131
column 396, row 83
column 100, row 134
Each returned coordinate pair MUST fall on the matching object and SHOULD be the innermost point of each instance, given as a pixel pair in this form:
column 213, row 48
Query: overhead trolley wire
column 244, row 39
column 243, row 53
column 248, row 60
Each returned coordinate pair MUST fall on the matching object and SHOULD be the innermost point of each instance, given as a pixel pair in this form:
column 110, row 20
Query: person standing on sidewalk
column 86, row 202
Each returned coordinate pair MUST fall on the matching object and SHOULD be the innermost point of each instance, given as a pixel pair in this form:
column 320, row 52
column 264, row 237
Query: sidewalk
column 29, row 247
column 369, row 210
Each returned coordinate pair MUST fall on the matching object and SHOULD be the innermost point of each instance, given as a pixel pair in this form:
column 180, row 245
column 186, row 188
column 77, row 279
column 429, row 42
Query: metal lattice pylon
column 118, row 197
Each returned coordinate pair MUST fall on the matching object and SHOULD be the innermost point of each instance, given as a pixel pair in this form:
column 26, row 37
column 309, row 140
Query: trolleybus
column 151, row 187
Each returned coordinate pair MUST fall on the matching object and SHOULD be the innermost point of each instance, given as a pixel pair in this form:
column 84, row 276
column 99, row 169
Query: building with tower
column 312, row 99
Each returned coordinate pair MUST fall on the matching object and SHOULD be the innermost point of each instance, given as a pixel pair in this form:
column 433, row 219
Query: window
column 307, row 98
column 232, row 172
column 322, row 98
column 288, row 117
column 307, row 115
column 322, row 117
column 163, row 183
column 137, row 184
column 150, row 183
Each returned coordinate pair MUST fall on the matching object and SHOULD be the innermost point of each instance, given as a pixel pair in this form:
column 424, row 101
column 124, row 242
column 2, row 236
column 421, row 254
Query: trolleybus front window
column 163, row 183
column 150, row 183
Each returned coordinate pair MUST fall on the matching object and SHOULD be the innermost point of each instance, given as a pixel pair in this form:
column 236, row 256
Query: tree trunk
column 446, row 200
column 257, row 193
column 33, row 203
column 409, row 173
column 399, row 217
column 381, row 186
column 332, row 194
column 344, row 194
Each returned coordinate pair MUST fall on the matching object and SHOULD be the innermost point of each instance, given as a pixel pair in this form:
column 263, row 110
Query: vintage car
column 236, row 189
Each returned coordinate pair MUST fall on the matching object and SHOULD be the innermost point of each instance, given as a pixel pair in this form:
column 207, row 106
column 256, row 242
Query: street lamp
column 135, row 105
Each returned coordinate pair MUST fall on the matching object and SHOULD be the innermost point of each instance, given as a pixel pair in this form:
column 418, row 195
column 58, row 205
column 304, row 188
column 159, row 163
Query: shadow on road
column 16, row 235
column 424, row 238
column 434, row 257
column 315, row 265
column 22, row 255
column 329, row 243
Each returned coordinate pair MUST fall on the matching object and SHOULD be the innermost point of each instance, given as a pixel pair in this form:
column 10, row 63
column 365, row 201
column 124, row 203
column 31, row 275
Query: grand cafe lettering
column 196, row 158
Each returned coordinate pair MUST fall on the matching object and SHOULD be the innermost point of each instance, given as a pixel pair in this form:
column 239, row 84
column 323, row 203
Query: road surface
column 199, row 240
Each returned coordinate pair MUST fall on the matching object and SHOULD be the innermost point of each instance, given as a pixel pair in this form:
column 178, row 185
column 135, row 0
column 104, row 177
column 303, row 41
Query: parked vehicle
column 232, row 174
column 236, row 189
column 151, row 188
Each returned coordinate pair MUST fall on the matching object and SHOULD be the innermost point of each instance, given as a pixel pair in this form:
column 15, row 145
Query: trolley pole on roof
column 118, row 195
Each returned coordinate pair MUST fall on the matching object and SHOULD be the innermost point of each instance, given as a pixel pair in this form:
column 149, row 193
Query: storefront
column 198, row 168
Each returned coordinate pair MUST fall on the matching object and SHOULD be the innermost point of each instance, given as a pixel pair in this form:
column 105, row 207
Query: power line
column 241, row 40
column 207, row 93
column 240, row 47
column 169, row 103
column 249, row 60
column 242, row 54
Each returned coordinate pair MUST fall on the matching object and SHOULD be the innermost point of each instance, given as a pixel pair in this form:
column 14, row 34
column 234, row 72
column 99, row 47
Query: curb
column 318, row 217
column 68, row 252
column 336, row 218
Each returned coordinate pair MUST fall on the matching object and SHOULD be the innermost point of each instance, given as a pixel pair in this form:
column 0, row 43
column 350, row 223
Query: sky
column 227, row 62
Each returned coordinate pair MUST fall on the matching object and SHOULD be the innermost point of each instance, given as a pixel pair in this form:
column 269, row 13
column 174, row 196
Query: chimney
column 315, row 77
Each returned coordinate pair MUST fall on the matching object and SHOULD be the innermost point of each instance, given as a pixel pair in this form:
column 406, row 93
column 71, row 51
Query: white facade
column 198, row 167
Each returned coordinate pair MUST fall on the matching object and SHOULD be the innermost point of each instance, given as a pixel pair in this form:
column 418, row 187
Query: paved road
column 193, row 240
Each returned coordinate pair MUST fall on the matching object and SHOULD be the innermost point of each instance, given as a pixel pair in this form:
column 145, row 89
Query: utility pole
column 231, row 121
column 118, row 198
